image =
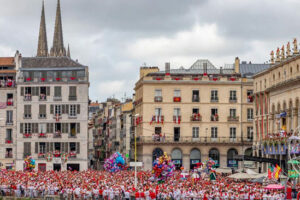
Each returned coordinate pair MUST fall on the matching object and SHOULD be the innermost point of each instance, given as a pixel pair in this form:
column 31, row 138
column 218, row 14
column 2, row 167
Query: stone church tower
column 58, row 49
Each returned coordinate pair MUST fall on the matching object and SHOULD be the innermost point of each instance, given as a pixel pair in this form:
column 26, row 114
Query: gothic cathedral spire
column 42, row 50
column 58, row 48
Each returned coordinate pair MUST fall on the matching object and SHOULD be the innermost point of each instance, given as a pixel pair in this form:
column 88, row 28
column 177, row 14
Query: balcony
column 196, row 117
column 42, row 116
column 9, row 123
column 10, row 102
column 56, row 154
column 8, row 141
column 72, row 154
column 7, row 83
column 214, row 118
column 158, row 99
column 214, row 100
column 191, row 140
column 43, row 97
column 157, row 119
column 41, row 155
column 8, row 155
column 176, row 99
column 72, row 98
column 27, row 116
column 42, row 135
column 57, row 134
column 27, row 97
column 57, row 98
column 250, row 99
column 233, row 118
column 177, row 119
column 214, row 78
column 232, row 100
column 27, row 135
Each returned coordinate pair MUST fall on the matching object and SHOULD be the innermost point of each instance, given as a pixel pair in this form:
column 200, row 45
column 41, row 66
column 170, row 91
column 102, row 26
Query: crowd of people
column 120, row 185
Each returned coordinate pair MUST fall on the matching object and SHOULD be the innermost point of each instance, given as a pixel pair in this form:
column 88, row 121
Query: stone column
column 288, row 120
column 295, row 118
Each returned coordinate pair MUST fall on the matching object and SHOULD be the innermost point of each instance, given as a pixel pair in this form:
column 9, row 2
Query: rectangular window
column 249, row 96
column 27, row 149
column 57, row 146
column 214, row 132
column 27, row 111
column 157, row 130
column 57, row 91
column 232, row 112
column 72, row 93
column 250, row 133
column 195, row 97
column 27, row 128
column 8, row 153
column 232, row 132
column 158, row 93
column 158, row 112
column 176, row 111
column 177, row 93
column 250, row 113
column 195, row 110
column 28, row 90
column 42, row 147
column 73, row 111
column 43, row 93
column 8, row 134
column 10, row 99
column 232, row 95
column 214, row 111
column 73, row 129
column 195, row 132
column 57, row 110
column 214, row 95
column 9, row 117
column 42, row 128
column 72, row 146
column 42, row 111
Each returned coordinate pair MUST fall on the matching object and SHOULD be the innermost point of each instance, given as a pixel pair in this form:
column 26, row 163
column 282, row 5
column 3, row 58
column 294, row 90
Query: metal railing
column 233, row 118
column 189, row 139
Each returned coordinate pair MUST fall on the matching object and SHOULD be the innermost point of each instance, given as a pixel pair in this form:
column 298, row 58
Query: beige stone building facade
column 7, row 113
column 277, row 93
column 196, row 113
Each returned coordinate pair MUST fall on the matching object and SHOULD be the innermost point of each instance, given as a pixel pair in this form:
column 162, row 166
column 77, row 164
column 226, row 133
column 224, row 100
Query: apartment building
column 7, row 113
column 195, row 113
column 277, row 113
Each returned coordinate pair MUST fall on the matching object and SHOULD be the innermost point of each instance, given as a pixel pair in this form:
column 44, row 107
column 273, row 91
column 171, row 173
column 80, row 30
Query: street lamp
column 135, row 178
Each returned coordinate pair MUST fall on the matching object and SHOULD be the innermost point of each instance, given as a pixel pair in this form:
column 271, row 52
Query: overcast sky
column 115, row 37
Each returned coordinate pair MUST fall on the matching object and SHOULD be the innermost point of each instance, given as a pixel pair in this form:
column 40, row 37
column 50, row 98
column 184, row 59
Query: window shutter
column 67, row 109
column 48, row 91
column 63, row 147
column 66, row 146
column 48, row 128
column 51, row 146
column 36, row 128
column 22, row 91
column 33, row 91
column 78, row 147
column 78, row 109
column 37, row 91
column 51, row 128
column 63, row 109
column 36, row 147
column 25, row 149
column 29, row 109
column 47, row 147
column 29, row 148
column 78, row 127
column 21, row 127
column 67, row 128
column 51, row 109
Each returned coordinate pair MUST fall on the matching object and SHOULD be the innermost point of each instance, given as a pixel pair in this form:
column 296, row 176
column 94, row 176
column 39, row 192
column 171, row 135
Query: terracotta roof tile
column 7, row 61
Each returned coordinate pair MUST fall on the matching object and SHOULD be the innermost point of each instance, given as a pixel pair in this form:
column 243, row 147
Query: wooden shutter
column 78, row 147
column 29, row 148
column 63, row 147
column 51, row 146
column 51, row 109
column 48, row 91
column 25, row 149
column 47, row 147
column 67, row 128
column 36, row 147
column 22, row 91
column 78, row 128
column 48, row 127
column 78, row 109
column 21, row 128
column 36, row 128
column 66, row 146
column 63, row 109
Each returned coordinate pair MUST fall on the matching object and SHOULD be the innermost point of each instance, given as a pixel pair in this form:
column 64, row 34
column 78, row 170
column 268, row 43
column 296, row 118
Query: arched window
column 195, row 157
column 215, row 155
column 156, row 153
column 177, row 158
column 231, row 162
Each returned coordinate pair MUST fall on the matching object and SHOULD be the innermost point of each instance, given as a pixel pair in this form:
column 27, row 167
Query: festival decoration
column 49, row 157
column 163, row 167
column 29, row 163
column 64, row 157
column 115, row 163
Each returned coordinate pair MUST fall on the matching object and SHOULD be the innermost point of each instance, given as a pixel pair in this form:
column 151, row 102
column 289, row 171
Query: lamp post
column 135, row 178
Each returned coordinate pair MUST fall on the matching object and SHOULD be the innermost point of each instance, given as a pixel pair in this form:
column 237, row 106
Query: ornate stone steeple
column 58, row 48
column 42, row 50
column 68, row 51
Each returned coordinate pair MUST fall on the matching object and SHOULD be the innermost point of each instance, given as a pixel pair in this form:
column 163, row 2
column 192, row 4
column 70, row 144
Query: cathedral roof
column 49, row 62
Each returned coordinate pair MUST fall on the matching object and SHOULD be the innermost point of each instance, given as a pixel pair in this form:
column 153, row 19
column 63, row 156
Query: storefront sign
column 232, row 163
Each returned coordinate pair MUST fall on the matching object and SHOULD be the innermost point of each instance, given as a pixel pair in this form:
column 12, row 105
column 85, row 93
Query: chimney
column 167, row 67
column 237, row 65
